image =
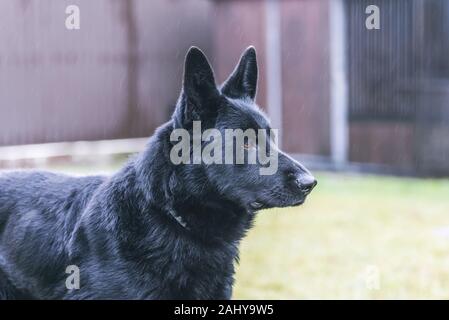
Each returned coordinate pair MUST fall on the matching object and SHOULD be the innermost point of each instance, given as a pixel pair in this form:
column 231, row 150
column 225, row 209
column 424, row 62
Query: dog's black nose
column 307, row 183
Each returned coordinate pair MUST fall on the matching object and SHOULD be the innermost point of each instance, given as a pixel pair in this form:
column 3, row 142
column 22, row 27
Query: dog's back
column 38, row 212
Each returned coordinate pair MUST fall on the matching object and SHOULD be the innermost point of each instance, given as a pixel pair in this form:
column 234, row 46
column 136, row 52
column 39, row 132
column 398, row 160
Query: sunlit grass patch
column 356, row 237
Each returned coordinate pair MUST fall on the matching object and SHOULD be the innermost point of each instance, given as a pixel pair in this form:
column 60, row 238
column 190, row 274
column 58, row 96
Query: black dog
column 154, row 230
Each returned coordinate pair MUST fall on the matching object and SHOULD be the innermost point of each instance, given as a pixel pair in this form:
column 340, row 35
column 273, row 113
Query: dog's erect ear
column 199, row 86
column 243, row 80
column 199, row 91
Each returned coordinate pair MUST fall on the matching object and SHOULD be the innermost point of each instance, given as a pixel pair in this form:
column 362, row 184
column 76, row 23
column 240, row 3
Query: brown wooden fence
column 304, row 30
column 116, row 77
column 120, row 74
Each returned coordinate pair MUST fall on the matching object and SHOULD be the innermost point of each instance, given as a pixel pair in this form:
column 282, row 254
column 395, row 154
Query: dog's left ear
column 243, row 80
column 199, row 82
column 199, row 94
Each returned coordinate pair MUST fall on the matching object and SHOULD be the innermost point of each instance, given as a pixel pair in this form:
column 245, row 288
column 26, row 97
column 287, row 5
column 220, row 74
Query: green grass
column 357, row 237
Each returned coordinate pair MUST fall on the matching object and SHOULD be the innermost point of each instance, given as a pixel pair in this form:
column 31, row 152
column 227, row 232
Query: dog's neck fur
column 130, row 213
column 202, row 213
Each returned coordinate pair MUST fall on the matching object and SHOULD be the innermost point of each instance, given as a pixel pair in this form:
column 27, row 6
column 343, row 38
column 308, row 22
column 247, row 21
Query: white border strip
column 74, row 149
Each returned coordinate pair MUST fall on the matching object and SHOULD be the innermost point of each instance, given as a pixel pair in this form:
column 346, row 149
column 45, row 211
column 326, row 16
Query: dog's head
column 274, row 179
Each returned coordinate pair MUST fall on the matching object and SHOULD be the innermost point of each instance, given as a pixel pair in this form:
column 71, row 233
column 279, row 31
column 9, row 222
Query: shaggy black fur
column 123, row 231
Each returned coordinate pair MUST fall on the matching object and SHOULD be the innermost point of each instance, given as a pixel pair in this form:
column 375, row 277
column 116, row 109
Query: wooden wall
column 305, row 63
column 116, row 77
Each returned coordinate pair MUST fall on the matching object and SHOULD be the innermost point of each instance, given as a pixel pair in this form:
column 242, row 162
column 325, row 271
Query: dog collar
column 178, row 218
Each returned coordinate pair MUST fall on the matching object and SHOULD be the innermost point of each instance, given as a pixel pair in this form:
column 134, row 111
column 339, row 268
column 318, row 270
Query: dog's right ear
column 199, row 90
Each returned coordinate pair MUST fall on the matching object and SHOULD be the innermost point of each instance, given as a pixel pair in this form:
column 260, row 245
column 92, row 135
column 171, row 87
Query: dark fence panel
column 398, row 92
column 432, row 125
column 382, row 65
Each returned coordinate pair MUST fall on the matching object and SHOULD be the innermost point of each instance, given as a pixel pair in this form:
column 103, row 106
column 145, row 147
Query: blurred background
column 368, row 109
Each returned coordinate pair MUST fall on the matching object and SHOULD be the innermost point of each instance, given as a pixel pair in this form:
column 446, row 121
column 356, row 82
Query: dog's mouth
column 258, row 205
column 298, row 203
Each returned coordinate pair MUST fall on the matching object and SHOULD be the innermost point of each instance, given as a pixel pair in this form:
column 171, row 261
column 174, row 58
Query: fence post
column 339, row 92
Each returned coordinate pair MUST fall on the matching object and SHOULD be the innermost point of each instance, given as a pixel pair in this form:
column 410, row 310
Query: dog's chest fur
column 149, row 252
